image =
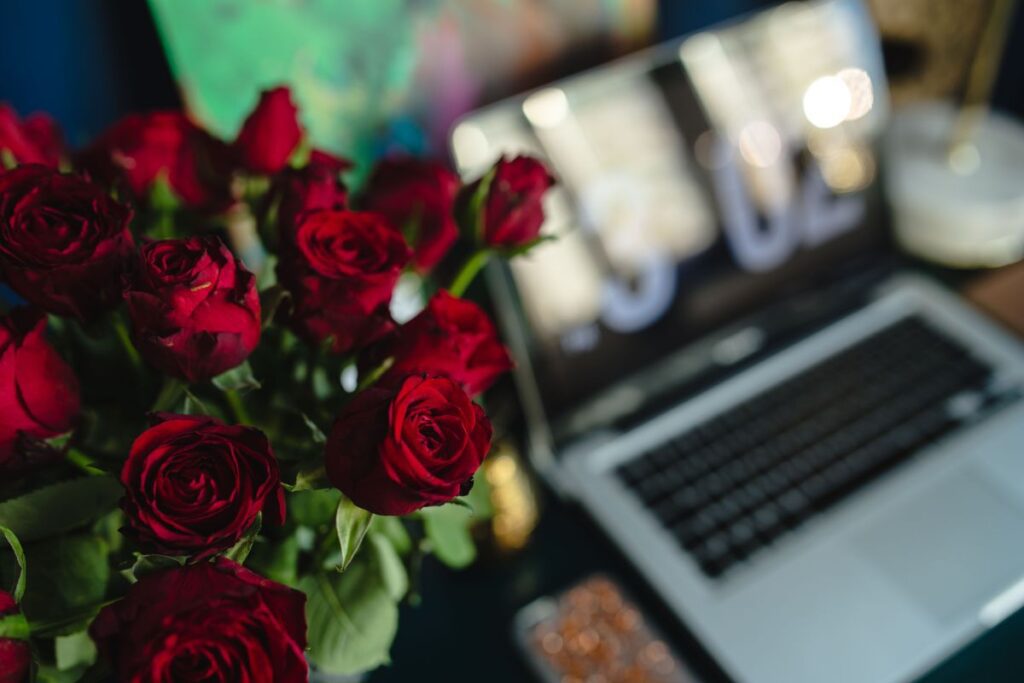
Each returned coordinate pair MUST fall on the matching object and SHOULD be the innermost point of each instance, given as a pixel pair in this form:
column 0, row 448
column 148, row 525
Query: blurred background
column 374, row 75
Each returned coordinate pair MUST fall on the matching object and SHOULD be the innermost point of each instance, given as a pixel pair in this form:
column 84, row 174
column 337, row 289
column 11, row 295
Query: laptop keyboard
column 740, row 481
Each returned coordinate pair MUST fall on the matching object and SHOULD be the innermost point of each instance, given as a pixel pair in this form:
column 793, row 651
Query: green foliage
column 276, row 560
column 74, row 651
column 147, row 564
column 447, row 529
column 313, row 507
column 14, row 627
column 19, row 555
column 392, row 529
column 59, row 507
column 69, row 581
column 271, row 300
column 238, row 379
column 352, row 522
column 389, row 563
column 240, row 550
column 352, row 617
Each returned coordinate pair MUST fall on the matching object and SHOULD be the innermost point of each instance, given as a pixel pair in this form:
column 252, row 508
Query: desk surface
column 462, row 630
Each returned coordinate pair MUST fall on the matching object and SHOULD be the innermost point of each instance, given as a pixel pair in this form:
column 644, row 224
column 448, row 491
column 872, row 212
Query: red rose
column 194, row 485
column 341, row 270
column 513, row 212
column 194, row 308
column 36, row 140
column 417, row 196
column 15, row 655
column 140, row 148
column 64, row 243
column 314, row 187
column 450, row 337
column 270, row 134
column 205, row 622
column 393, row 451
column 38, row 391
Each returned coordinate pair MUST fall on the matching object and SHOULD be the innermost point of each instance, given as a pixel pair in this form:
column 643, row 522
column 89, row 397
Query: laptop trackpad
column 953, row 548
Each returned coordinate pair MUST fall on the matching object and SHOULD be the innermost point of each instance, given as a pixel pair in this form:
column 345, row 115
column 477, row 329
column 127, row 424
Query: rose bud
column 418, row 198
column 341, row 270
column 393, row 451
column 194, row 485
column 270, row 134
column 64, row 243
column 15, row 654
column 36, row 140
column 194, row 308
column 450, row 337
column 316, row 186
column 211, row 621
column 38, row 391
column 141, row 148
column 512, row 211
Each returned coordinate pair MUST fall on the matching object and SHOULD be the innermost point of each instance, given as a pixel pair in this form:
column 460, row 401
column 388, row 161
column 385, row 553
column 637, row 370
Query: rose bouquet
column 221, row 455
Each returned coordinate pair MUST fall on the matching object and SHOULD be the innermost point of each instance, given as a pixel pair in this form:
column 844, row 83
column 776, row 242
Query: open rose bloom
column 196, row 442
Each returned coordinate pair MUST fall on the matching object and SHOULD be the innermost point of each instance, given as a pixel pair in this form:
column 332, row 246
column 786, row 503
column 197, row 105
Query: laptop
column 814, row 455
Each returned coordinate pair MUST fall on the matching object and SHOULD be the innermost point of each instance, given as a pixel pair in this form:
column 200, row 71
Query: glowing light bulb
column 827, row 102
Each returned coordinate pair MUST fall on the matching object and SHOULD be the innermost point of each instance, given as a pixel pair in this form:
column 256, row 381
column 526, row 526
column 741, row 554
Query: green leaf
column 267, row 277
column 147, row 564
column 69, row 576
column 193, row 405
column 240, row 550
column 352, row 522
column 314, row 431
column 14, row 626
column 352, row 619
column 60, row 507
column 392, row 529
column 314, row 508
column 19, row 555
column 74, row 650
column 390, row 566
column 276, row 560
column 170, row 396
column 447, row 528
column 462, row 503
column 239, row 379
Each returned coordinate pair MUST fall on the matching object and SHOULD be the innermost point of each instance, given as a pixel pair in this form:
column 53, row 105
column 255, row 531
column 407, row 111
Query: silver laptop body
column 909, row 563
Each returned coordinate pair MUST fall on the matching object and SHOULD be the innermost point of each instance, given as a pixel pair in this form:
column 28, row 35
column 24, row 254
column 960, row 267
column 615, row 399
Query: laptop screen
column 700, row 184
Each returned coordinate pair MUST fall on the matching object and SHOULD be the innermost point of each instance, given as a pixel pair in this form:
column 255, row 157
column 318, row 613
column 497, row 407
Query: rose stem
column 468, row 271
column 237, row 407
column 126, row 341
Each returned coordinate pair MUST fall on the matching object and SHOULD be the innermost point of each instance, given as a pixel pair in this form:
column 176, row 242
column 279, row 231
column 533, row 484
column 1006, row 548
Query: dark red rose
column 513, row 212
column 418, row 198
column 270, row 134
column 15, row 655
column 314, row 187
column 393, row 451
column 64, row 243
column 451, row 337
column 194, row 308
column 341, row 270
column 140, row 148
column 38, row 391
column 205, row 622
column 194, row 485
column 36, row 140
